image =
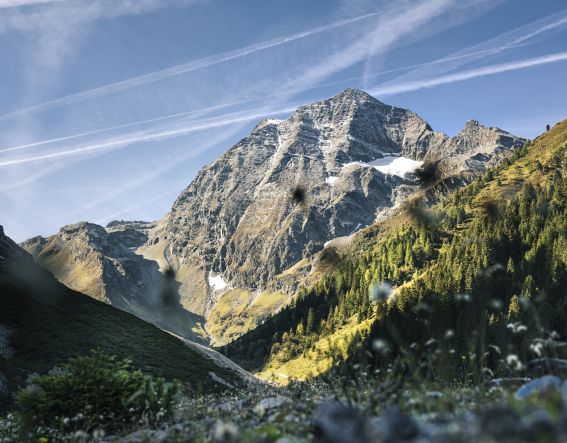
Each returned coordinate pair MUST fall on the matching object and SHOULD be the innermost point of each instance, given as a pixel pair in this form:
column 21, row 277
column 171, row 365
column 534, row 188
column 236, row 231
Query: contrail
column 467, row 75
column 18, row 3
column 220, row 137
column 517, row 37
column 144, row 136
column 113, row 216
column 183, row 68
column 548, row 27
column 123, row 126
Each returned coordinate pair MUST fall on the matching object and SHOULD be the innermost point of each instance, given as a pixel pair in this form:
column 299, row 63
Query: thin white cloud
column 468, row 75
column 184, row 68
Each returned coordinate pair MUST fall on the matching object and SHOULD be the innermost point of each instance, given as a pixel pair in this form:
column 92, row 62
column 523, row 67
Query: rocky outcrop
column 472, row 150
column 131, row 234
column 87, row 258
column 352, row 157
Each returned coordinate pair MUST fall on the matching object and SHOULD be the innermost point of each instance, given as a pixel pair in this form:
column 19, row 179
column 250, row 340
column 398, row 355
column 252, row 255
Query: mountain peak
column 87, row 226
column 353, row 94
column 267, row 122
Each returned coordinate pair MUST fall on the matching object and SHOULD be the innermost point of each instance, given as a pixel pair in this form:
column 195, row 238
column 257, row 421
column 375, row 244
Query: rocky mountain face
column 353, row 158
column 103, row 264
column 237, row 235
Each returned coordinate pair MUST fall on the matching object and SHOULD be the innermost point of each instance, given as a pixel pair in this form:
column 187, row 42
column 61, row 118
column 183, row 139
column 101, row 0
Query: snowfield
column 392, row 165
column 217, row 282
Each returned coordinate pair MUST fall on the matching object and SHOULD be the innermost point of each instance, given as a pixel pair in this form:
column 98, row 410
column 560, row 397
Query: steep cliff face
column 353, row 157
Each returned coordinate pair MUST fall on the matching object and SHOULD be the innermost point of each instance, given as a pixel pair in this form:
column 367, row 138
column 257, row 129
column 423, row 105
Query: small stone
column 501, row 423
column 394, row 425
column 538, row 385
column 540, row 427
column 335, row 422
column 269, row 403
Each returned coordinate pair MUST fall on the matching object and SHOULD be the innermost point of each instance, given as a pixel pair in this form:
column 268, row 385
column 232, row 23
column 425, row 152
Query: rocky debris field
column 505, row 410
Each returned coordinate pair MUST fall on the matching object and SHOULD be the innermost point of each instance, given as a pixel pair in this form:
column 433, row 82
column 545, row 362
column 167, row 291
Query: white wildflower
column 517, row 328
column 224, row 431
column 513, row 361
column 537, row 348
column 381, row 346
column 496, row 305
column 98, row 434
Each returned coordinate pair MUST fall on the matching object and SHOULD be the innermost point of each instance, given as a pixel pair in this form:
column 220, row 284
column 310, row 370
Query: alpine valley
column 362, row 277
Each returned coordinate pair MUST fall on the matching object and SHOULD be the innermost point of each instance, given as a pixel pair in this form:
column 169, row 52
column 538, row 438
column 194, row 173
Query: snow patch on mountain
column 217, row 282
column 392, row 165
column 400, row 166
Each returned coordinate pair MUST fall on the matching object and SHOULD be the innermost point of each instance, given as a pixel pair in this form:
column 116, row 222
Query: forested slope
column 466, row 275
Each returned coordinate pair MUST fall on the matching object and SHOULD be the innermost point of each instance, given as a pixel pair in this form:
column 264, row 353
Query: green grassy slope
column 49, row 323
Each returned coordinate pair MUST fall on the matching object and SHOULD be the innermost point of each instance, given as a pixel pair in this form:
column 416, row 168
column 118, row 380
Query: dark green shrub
column 96, row 391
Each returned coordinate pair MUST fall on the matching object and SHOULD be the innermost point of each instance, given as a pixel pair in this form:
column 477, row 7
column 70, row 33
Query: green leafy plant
column 95, row 392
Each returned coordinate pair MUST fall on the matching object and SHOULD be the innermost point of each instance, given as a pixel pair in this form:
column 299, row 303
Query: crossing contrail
column 467, row 75
column 184, row 68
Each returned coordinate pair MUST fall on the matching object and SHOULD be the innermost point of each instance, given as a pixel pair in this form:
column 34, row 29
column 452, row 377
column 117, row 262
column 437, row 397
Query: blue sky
column 108, row 108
